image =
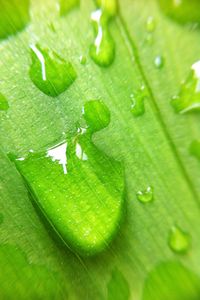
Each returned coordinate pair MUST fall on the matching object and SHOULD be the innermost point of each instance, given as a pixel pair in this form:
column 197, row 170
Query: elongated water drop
column 85, row 200
column 137, row 98
column 182, row 11
column 49, row 72
column 195, row 148
column 83, row 59
column 67, row 5
column 179, row 241
column 102, row 51
column 14, row 16
column 188, row 98
column 159, row 61
column 170, row 280
column 3, row 103
column 145, row 196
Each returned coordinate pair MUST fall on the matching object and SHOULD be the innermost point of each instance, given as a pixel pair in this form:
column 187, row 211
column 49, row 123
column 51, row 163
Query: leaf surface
column 154, row 149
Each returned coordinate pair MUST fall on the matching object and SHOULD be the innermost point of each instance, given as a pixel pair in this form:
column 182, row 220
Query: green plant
column 141, row 70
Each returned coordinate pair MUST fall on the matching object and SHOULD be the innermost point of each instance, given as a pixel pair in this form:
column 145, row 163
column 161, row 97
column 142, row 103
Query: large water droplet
column 188, row 98
column 102, row 51
column 3, row 103
column 171, row 281
column 49, row 72
column 145, row 196
column 159, row 62
column 118, row 287
column 14, row 16
column 86, row 196
column 182, row 11
column 195, row 148
column 67, row 5
column 179, row 241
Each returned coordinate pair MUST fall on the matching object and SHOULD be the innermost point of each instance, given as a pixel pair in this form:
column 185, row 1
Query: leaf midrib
column 133, row 52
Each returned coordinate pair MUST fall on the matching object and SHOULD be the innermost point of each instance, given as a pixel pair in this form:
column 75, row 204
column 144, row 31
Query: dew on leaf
column 83, row 59
column 118, row 287
column 68, row 5
column 23, row 274
column 150, row 24
column 137, row 99
column 58, row 153
column 96, row 115
column 181, row 11
column 110, row 7
column 159, row 62
column 195, row 148
column 179, row 241
column 3, row 103
column 13, row 17
column 145, row 196
column 188, row 98
column 85, row 204
column 102, row 51
column 171, row 280
column 49, row 72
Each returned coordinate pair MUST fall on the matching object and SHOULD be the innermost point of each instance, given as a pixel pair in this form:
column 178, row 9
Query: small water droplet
column 3, row 103
column 159, row 62
column 150, row 24
column 96, row 115
column 179, row 241
column 13, row 17
column 138, row 98
column 188, row 98
column 68, row 5
column 102, row 51
column 49, row 72
column 195, row 148
column 83, row 59
column 145, row 196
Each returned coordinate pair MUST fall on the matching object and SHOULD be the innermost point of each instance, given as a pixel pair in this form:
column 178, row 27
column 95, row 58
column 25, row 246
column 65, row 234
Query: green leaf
column 154, row 149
